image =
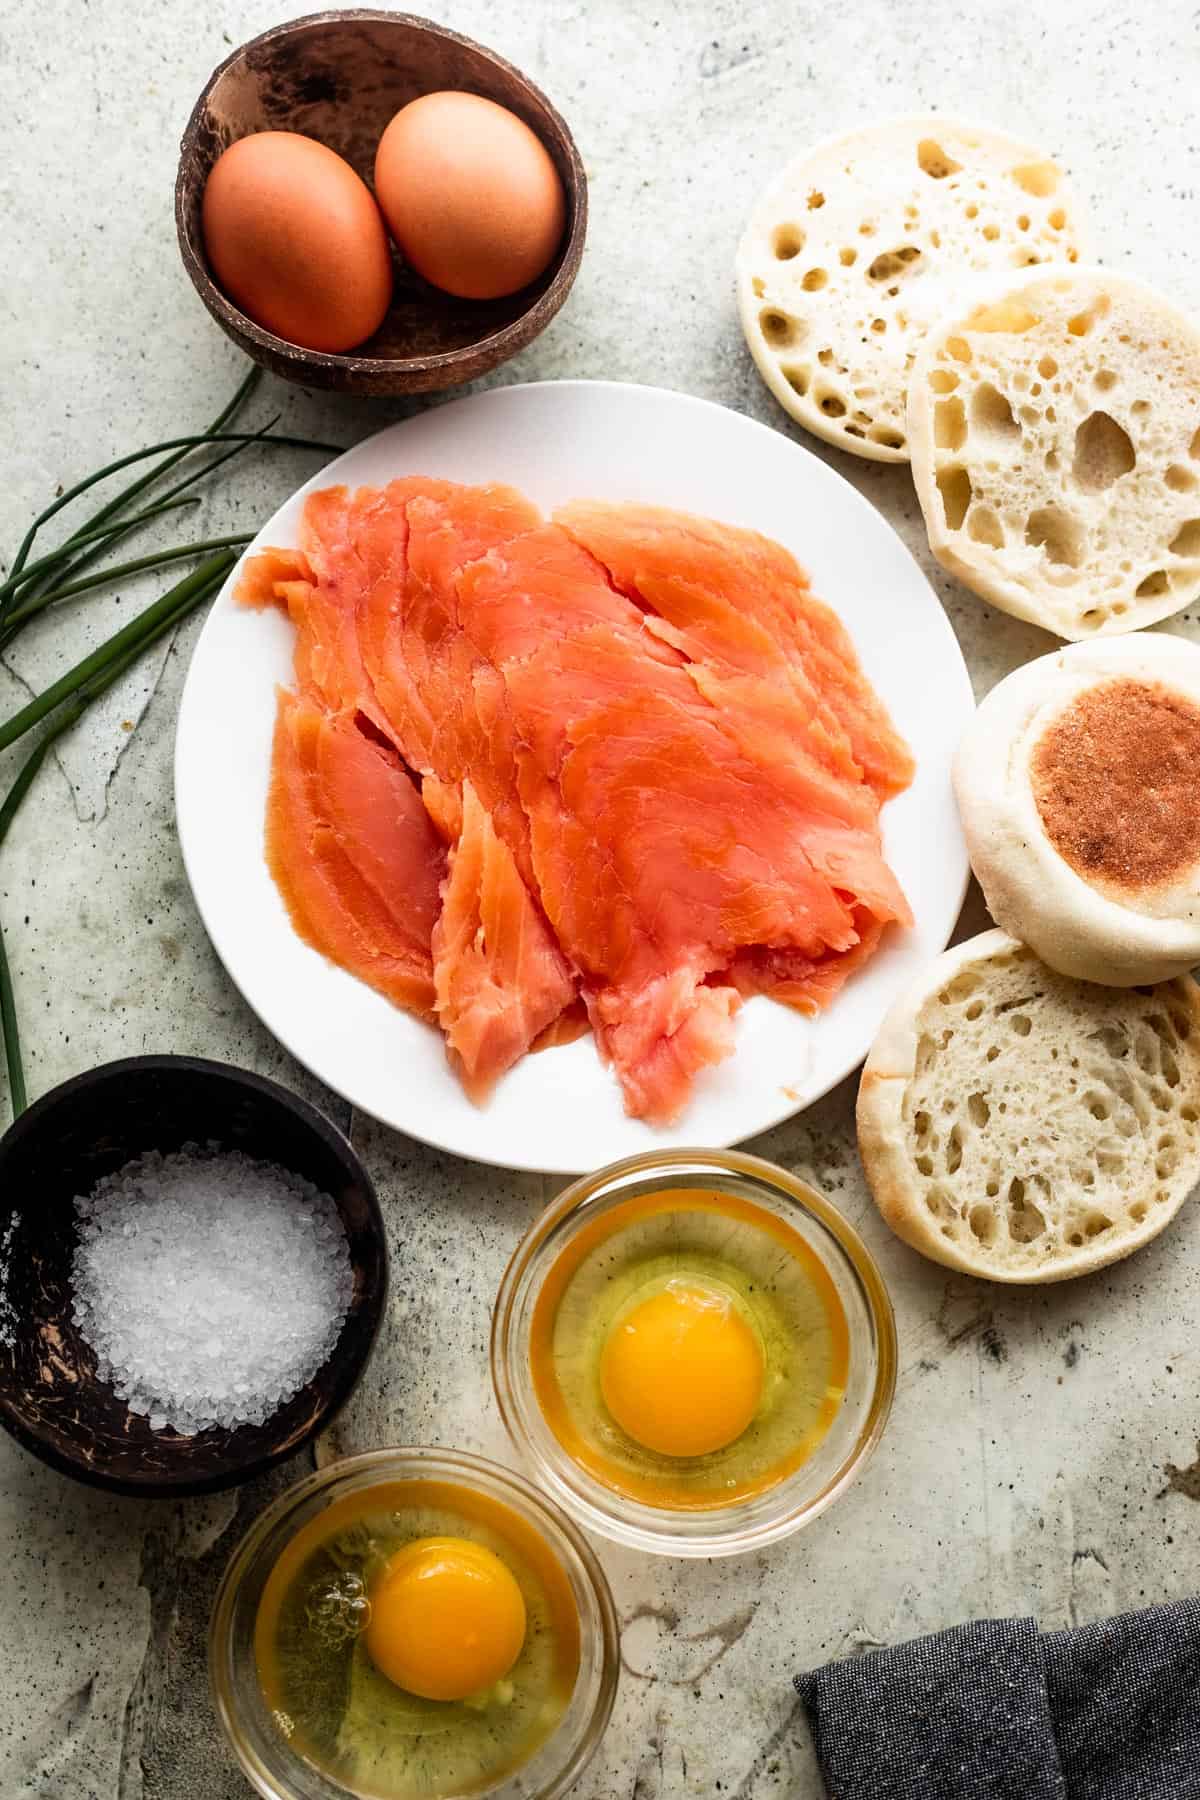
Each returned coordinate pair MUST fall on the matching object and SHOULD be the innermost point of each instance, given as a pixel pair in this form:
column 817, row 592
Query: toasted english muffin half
column 1020, row 1126
column 862, row 242
column 1078, row 782
column 1054, row 422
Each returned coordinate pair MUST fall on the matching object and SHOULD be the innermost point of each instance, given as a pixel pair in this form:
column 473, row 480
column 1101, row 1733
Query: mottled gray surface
column 1042, row 1452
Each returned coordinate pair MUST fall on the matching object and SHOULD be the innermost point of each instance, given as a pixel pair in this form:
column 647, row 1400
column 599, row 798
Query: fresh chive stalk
column 30, row 587
column 227, row 414
column 123, row 462
column 120, row 501
column 12, row 1036
column 28, row 607
column 67, row 565
column 187, row 596
column 137, row 631
column 97, row 533
column 192, row 441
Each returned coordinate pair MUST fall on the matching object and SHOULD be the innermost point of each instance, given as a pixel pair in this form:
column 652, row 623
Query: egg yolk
column 682, row 1371
column 447, row 1619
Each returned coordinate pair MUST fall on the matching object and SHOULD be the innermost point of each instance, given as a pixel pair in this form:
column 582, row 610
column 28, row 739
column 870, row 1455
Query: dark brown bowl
column 51, row 1399
column 340, row 77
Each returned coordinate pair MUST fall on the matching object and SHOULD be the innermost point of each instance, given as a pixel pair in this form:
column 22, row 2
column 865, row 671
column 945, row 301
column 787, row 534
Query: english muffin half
column 1078, row 782
column 862, row 242
column 1020, row 1126
column 1054, row 422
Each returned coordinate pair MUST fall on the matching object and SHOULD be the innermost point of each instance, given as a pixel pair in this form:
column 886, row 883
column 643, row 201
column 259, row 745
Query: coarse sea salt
column 210, row 1286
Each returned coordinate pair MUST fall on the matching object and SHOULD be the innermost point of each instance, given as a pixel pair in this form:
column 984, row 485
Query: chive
column 97, row 684
column 54, row 557
column 228, row 413
column 199, row 474
column 70, row 715
column 11, row 1035
column 119, row 530
column 120, row 501
column 8, row 1010
column 31, row 587
column 139, row 456
column 138, row 631
column 29, row 606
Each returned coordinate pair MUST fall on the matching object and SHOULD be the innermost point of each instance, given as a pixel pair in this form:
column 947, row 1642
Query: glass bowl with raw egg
column 694, row 1351
column 413, row 1622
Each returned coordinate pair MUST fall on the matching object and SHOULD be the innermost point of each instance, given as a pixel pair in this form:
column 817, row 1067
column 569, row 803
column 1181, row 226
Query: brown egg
column 296, row 240
column 470, row 194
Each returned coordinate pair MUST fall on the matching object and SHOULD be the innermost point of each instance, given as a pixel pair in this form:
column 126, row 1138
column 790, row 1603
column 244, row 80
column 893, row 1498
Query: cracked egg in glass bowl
column 694, row 1351
column 413, row 1624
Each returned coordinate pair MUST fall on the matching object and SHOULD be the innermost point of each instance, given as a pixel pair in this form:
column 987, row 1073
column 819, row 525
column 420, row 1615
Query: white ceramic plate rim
column 560, row 1112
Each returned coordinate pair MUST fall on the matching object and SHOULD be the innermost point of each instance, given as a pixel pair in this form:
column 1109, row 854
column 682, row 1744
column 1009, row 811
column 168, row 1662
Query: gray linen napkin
column 997, row 1710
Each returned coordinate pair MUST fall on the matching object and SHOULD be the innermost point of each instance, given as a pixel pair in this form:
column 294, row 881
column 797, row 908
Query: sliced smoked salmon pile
column 621, row 764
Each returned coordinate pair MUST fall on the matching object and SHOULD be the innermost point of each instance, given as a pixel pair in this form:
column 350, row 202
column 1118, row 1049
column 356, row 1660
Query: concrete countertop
column 1043, row 1451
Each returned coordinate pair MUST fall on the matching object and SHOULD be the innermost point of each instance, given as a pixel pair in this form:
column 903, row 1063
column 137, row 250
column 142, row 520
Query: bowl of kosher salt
column 192, row 1272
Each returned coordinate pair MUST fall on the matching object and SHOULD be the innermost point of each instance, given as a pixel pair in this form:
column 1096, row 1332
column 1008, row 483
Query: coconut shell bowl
column 51, row 1398
column 340, row 77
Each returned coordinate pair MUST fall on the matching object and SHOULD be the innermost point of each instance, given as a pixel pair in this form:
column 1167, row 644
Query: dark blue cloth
column 998, row 1710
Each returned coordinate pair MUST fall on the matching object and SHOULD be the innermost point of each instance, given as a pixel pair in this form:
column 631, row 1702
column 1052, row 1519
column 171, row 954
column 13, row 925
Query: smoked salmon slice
column 500, row 980
column 353, row 853
column 646, row 764
column 735, row 600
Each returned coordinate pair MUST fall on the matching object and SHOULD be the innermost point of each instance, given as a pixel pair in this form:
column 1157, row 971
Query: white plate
column 561, row 1110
